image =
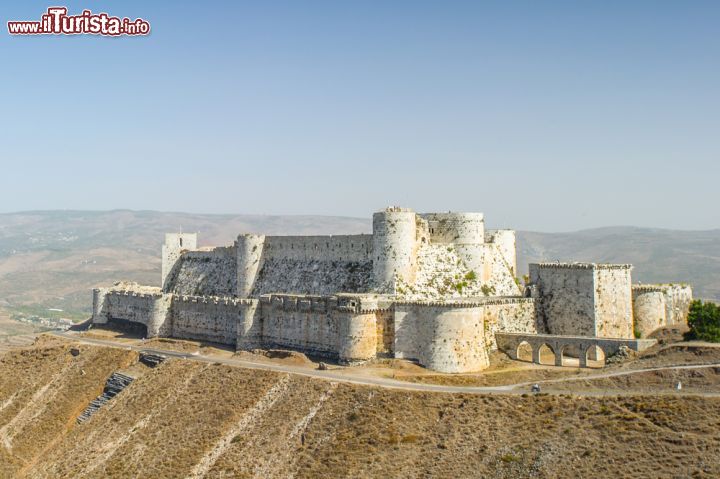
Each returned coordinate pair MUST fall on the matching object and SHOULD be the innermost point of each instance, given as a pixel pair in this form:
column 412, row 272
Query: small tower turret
column 175, row 244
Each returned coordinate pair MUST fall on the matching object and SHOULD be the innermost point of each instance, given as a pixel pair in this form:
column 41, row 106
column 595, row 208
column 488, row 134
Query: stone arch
column 594, row 356
column 565, row 359
column 546, row 354
column 524, row 351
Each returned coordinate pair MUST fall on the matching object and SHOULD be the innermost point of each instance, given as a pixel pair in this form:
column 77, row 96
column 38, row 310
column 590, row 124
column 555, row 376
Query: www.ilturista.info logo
column 57, row 22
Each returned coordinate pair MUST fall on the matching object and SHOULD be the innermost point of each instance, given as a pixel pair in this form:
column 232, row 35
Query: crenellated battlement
column 226, row 300
column 473, row 303
column 658, row 287
column 559, row 265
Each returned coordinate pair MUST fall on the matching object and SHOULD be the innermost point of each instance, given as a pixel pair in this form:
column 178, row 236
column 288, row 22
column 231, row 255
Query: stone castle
column 437, row 288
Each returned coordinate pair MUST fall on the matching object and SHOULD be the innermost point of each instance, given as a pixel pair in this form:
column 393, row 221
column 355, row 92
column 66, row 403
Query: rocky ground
column 190, row 419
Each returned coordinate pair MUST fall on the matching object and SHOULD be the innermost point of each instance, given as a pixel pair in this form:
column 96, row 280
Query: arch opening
column 546, row 355
column 595, row 357
column 524, row 352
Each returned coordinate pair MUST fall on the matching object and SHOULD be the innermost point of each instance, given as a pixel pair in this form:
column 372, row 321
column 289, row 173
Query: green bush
column 704, row 321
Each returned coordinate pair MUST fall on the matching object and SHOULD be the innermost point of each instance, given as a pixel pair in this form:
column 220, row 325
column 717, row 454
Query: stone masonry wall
column 508, row 315
column 209, row 318
column 151, row 309
column 583, row 299
column 175, row 245
column 566, row 299
column 204, row 273
column 659, row 305
column 319, row 265
column 447, row 271
column 444, row 338
column 613, row 301
column 649, row 310
column 334, row 327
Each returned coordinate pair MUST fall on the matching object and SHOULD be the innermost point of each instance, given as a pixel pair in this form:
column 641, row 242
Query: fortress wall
column 681, row 296
column 395, row 244
column 583, row 299
column 649, row 311
column 250, row 326
column 659, row 305
column 613, row 301
column 385, row 332
column 459, row 271
column 493, row 269
column 175, row 244
column 204, row 273
column 345, row 248
column 322, row 326
column 448, row 339
column 99, row 315
column 209, row 318
column 455, row 228
column 566, row 298
column 319, row 265
column 357, row 336
column 516, row 315
column 249, row 262
column 505, row 242
column 302, row 323
column 151, row 309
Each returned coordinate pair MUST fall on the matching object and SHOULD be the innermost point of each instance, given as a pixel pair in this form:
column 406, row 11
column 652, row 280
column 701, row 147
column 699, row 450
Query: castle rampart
column 455, row 228
column 436, row 288
column 659, row 305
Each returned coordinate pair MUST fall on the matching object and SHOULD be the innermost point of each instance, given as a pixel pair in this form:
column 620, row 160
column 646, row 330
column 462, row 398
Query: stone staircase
column 115, row 383
column 151, row 360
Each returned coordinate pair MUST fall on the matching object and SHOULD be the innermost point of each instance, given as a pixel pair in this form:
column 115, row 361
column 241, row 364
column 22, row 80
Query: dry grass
column 171, row 416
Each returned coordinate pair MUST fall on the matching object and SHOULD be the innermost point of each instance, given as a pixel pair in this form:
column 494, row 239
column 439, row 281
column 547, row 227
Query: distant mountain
column 658, row 255
column 51, row 259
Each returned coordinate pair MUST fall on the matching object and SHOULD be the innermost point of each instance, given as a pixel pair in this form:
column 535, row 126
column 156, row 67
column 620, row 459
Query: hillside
column 658, row 255
column 192, row 419
column 53, row 259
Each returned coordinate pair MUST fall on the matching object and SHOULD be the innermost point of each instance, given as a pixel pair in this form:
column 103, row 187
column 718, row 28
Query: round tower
column 505, row 241
column 249, row 258
column 456, row 228
column 99, row 316
column 394, row 243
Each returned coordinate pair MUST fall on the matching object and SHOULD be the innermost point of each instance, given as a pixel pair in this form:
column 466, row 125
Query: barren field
column 14, row 333
column 192, row 419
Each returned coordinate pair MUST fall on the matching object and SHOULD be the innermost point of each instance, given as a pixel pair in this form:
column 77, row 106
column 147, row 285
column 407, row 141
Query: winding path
column 337, row 375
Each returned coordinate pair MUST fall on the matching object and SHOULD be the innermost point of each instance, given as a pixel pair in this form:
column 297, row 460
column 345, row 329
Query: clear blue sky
column 545, row 115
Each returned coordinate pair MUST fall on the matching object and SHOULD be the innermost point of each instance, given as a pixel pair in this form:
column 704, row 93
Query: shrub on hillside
column 704, row 321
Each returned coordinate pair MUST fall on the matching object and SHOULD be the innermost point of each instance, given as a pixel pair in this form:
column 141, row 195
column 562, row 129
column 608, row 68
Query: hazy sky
column 544, row 115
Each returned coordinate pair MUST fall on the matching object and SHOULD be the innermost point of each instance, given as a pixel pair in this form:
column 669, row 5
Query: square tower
column 583, row 299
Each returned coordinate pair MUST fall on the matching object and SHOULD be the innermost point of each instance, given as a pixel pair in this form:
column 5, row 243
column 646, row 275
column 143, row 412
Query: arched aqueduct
column 581, row 346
